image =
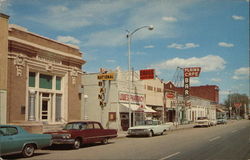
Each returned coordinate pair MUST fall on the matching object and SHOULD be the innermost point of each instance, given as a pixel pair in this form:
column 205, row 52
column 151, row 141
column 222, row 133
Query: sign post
column 189, row 72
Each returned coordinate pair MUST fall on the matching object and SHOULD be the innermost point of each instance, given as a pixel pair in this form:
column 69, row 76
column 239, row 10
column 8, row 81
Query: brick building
column 209, row 92
column 39, row 79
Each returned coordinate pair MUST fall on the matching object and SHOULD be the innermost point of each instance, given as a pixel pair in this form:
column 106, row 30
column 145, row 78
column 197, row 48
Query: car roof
column 7, row 125
column 85, row 121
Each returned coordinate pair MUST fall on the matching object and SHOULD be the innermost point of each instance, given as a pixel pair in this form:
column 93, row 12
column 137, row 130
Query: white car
column 149, row 128
column 202, row 121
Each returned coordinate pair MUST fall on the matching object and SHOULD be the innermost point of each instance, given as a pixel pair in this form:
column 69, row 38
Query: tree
column 234, row 98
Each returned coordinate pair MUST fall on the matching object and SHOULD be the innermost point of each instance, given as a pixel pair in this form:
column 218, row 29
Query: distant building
column 40, row 78
column 209, row 92
column 202, row 102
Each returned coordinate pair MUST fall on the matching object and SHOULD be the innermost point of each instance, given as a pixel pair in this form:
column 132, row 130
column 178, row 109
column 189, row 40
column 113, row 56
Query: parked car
column 202, row 121
column 14, row 140
column 221, row 121
column 149, row 128
column 213, row 122
column 82, row 132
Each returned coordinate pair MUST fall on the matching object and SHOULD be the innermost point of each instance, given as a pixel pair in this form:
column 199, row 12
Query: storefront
column 115, row 96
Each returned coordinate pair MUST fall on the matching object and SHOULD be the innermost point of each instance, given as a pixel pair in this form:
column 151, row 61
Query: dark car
column 82, row 132
column 14, row 140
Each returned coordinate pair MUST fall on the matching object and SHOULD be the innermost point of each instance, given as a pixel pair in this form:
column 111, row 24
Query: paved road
column 222, row 142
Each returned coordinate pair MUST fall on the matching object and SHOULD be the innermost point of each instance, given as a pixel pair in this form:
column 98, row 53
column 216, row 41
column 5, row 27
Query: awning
column 149, row 110
column 220, row 110
column 136, row 108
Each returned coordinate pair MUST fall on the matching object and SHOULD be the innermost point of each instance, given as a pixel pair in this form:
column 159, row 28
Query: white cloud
column 101, row 16
column 208, row 63
column 194, row 81
column 4, row 4
column 241, row 73
column 183, row 46
column 169, row 19
column 235, row 17
column 216, row 79
column 224, row 44
column 149, row 46
column 67, row 39
column 224, row 93
column 111, row 61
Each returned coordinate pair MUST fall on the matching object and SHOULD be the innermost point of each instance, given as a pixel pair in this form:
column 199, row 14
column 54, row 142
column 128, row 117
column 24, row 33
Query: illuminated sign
column 186, row 86
column 106, row 76
column 147, row 74
column 192, row 72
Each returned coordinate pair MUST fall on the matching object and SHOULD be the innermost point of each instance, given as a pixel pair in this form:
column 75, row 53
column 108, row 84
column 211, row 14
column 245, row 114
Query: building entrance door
column 45, row 107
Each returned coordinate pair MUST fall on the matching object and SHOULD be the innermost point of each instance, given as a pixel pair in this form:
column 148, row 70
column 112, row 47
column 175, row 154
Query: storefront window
column 58, row 83
column 32, row 79
column 45, row 81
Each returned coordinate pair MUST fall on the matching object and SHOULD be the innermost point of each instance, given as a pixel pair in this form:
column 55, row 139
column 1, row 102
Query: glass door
column 45, row 107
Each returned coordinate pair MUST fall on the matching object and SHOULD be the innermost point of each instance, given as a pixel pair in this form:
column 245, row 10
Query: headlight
column 129, row 131
column 66, row 136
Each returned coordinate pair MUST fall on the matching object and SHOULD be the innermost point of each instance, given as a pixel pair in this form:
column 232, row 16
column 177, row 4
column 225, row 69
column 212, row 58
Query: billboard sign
column 147, row 74
column 192, row 72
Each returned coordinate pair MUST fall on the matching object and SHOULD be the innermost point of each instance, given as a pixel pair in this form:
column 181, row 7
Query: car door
column 89, row 136
column 10, row 140
column 99, row 132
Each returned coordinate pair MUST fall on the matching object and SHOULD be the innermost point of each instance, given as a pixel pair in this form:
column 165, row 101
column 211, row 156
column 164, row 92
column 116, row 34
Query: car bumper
column 139, row 133
column 63, row 141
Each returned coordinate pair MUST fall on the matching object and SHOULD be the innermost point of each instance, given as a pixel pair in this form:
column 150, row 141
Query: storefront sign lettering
column 124, row 97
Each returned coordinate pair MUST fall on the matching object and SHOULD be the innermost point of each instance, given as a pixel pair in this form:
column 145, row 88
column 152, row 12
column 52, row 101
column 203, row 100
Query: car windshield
column 202, row 118
column 70, row 126
column 150, row 122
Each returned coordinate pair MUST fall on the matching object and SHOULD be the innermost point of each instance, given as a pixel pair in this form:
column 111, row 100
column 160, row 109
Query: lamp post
column 85, row 107
column 129, row 36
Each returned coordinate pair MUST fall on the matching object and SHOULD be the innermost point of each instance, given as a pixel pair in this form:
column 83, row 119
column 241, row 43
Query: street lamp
column 129, row 36
column 85, row 107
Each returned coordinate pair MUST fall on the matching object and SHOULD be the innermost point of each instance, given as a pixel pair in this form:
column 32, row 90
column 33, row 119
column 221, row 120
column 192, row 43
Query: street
column 229, row 142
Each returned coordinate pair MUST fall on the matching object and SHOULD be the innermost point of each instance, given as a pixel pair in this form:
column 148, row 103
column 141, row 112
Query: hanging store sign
column 106, row 76
column 237, row 105
column 192, row 72
column 147, row 74
column 170, row 95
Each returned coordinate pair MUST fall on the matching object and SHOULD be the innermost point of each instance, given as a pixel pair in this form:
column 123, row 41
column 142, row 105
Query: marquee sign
column 192, row 72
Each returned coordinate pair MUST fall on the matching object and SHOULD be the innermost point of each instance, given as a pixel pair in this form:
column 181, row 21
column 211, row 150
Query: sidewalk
column 172, row 128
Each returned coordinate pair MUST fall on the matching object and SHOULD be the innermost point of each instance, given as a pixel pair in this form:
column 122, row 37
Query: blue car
column 15, row 140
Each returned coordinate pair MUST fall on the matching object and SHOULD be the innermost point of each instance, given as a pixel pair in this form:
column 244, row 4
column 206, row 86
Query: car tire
column 77, row 144
column 28, row 150
column 151, row 133
column 105, row 141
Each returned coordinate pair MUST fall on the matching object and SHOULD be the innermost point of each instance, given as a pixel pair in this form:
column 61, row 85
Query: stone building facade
column 40, row 77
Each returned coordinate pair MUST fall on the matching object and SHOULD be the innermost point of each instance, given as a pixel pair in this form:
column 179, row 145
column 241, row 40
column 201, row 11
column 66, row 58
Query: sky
column 211, row 34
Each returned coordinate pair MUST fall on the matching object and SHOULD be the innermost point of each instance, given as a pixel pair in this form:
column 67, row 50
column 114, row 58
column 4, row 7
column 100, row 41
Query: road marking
column 234, row 131
column 213, row 139
column 169, row 156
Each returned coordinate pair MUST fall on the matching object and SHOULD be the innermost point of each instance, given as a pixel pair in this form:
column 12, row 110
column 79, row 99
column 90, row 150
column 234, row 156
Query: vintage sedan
column 202, row 121
column 14, row 140
column 149, row 128
column 82, row 132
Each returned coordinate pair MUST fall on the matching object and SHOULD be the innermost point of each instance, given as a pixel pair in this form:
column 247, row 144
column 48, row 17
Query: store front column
column 32, row 101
